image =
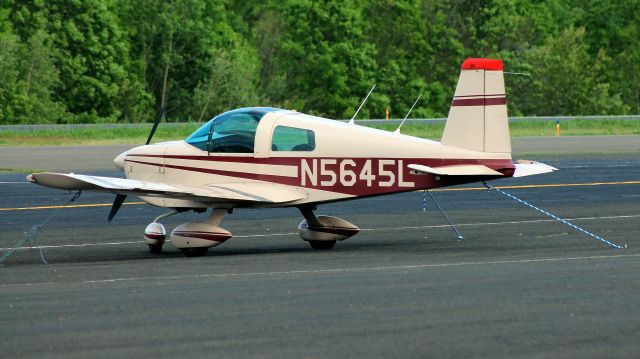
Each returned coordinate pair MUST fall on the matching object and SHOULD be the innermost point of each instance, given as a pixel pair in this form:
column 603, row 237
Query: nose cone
column 119, row 161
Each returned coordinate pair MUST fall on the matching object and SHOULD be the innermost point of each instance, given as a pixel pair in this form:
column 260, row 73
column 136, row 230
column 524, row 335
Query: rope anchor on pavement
column 556, row 218
column 31, row 236
column 424, row 209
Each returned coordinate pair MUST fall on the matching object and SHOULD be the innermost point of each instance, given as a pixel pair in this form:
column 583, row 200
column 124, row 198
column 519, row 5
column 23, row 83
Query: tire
column 155, row 248
column 195, row 252
column 322, row 245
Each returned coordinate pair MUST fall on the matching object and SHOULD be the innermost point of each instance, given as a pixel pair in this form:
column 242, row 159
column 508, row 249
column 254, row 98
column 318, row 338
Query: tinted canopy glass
column 231, row 132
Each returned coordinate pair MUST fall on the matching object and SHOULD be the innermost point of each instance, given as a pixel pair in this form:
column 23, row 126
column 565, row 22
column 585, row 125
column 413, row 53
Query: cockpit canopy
column 231, row 132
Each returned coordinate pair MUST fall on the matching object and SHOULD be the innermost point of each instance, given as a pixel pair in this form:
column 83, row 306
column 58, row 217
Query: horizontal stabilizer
column 456, row 170
column 529, row 168
column 231, row 192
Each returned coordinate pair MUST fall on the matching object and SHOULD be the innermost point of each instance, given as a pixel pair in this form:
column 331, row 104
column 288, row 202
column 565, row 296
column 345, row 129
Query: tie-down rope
column 31, row 236
column 614, row 245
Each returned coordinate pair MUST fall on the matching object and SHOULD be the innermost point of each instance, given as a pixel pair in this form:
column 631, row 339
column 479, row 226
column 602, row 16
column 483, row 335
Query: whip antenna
column 351, row 121
column 411, row 109
column 517, row 73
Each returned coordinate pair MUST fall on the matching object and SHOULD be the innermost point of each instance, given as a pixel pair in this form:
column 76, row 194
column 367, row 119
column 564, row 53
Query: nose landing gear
column 155, row 234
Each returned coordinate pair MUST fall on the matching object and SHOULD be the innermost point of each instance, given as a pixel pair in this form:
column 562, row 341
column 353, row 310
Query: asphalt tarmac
column 517, row 285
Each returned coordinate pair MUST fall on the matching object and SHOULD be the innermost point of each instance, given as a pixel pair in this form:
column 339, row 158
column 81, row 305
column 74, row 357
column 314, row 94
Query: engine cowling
column 198, row 235
column 155, row 234
column 332, row 229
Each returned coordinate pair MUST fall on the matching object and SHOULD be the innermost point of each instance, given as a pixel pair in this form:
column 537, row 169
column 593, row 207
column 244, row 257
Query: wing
column 456, row 170
column 258, row 193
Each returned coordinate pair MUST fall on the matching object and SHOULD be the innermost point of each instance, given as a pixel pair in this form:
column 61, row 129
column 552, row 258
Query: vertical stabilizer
column 478, row 115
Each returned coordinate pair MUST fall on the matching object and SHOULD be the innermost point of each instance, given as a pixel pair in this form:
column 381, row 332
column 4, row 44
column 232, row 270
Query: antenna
column 516, row 73
column 351, row 121
column 411, row 109
column 512, row 73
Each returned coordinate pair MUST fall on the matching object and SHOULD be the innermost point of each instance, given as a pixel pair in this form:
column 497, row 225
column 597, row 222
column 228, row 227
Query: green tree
column 39, row 77
column 117, row 60
column 27, row 79
column 566, row 80
column 399, row 35
column 323, row 57
column 614, row 28
column 88, row 51
column 231, row 81
column 183, row 48
column 10, row 99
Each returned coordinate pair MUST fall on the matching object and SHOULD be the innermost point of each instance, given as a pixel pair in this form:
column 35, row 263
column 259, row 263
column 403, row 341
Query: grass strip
column 138, row 135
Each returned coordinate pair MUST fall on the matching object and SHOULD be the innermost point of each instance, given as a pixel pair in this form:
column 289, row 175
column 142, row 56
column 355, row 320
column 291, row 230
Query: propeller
column 119, row 200
column 117, row 203
column 155, row 124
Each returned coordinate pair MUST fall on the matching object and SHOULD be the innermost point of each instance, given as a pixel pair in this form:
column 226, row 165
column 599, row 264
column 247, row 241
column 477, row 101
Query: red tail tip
column 482, row 64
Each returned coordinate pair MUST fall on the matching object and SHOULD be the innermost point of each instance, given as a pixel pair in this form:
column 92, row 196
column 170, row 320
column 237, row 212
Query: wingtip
column 33, row 177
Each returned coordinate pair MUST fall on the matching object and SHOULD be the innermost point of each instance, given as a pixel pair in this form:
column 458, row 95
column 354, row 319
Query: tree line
column 88, row 61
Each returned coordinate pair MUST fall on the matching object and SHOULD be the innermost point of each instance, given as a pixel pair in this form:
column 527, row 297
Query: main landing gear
column 194, row 238
column 322, row 232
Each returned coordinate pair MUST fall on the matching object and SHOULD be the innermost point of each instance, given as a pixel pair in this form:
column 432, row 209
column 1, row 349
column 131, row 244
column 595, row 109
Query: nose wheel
column 155, row 248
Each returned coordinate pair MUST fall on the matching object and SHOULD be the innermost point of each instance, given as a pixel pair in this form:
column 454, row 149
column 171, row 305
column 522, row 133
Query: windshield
column 230, row 132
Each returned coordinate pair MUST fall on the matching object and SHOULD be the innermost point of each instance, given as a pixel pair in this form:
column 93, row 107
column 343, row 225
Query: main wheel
column 195, row 252
column 322, row 245
column 155, row 248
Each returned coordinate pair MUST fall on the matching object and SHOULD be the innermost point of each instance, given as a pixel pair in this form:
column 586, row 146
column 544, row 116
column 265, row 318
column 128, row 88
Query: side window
column 234, row 133
column 292, row 139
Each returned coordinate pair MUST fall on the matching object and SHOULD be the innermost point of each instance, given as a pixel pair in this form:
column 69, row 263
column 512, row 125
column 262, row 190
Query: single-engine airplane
column 269, row 157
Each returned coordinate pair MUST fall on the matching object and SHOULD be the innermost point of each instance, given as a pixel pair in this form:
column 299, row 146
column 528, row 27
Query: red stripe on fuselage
column 358, row 188
column 259, row 177
column 295, row 161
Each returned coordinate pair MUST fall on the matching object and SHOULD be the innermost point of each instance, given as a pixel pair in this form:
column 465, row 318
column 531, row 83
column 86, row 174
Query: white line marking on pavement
column 76, row 245
column 335, row 270
column 361, row 229
column 361, row 269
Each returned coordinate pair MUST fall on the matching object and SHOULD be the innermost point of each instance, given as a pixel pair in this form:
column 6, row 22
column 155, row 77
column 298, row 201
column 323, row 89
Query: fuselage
column 268, row 157
column 327, row 160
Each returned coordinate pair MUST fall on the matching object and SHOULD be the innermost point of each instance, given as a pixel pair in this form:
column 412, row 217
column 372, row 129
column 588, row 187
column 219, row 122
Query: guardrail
column 511, row 119
column 362, row 122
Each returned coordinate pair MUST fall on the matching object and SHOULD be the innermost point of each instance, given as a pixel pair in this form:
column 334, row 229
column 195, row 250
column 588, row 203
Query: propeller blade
column 155, row 124
column 117, row 203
